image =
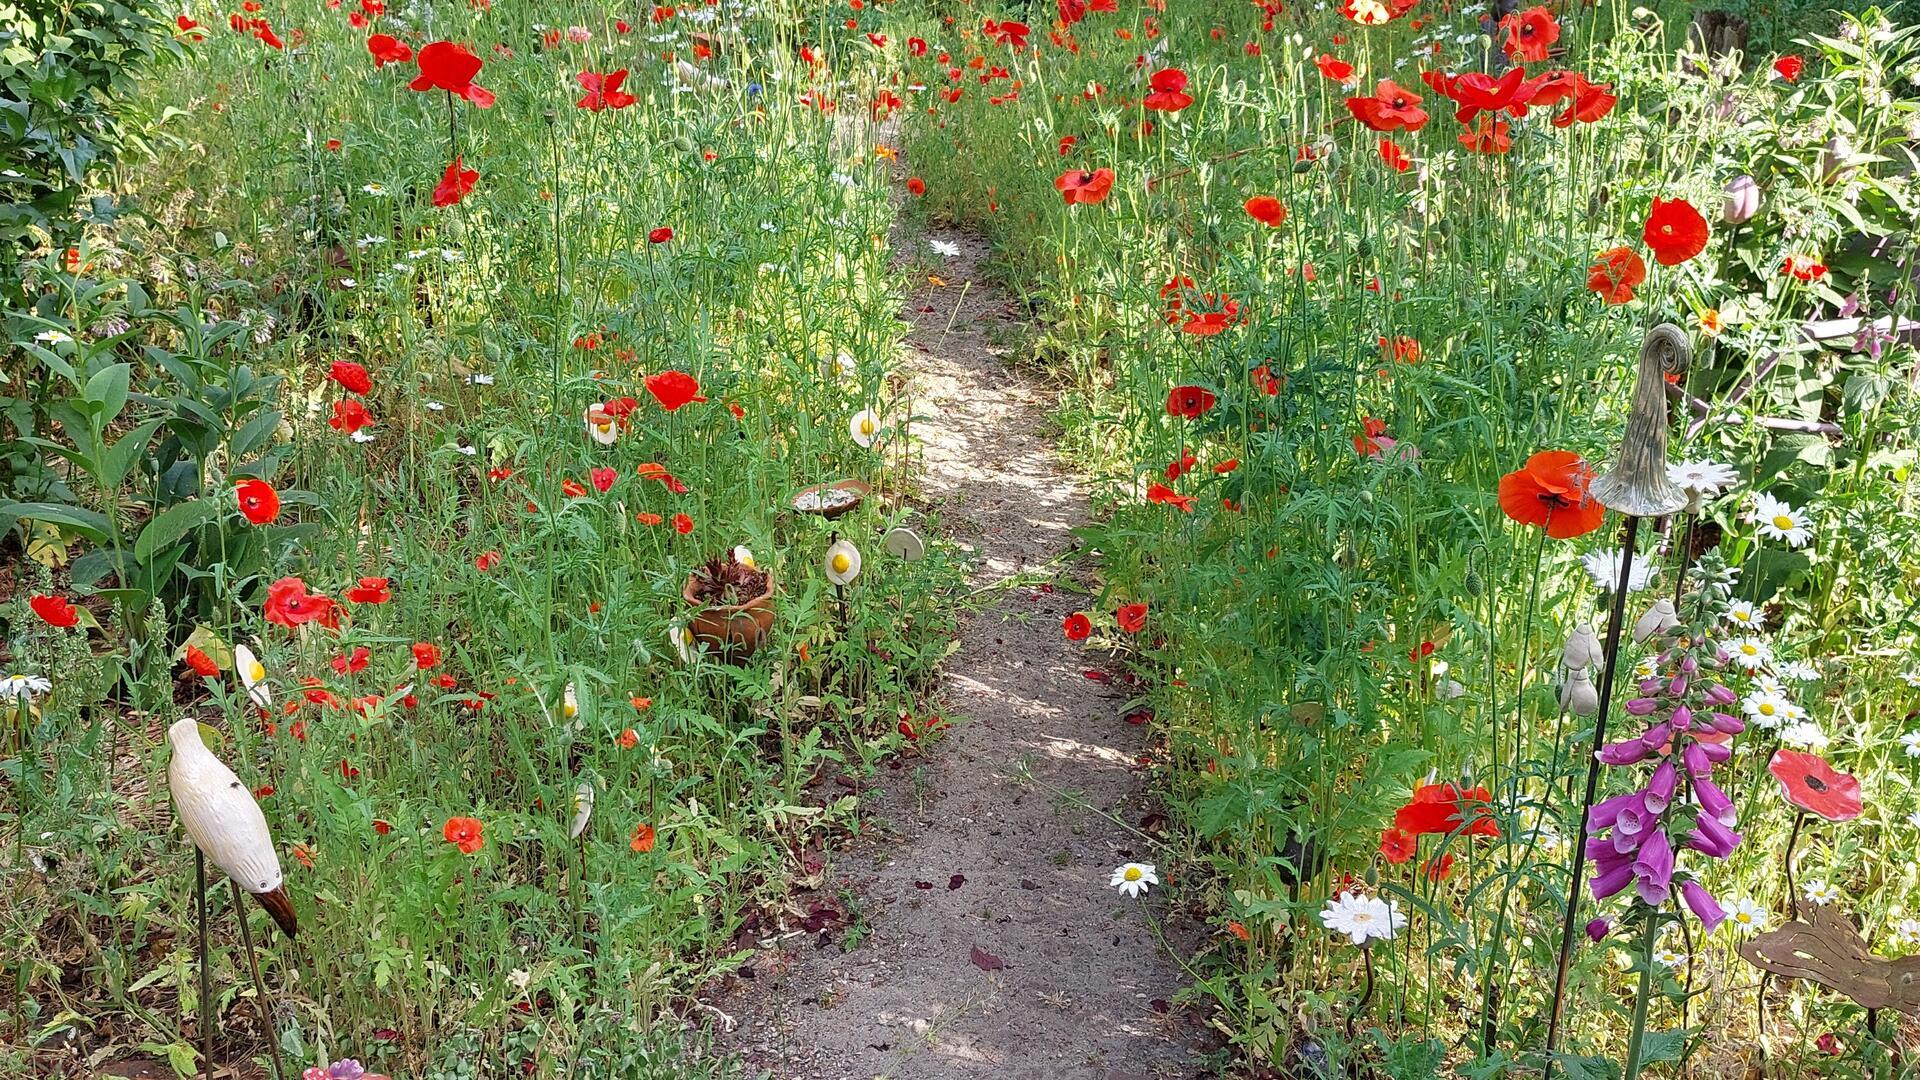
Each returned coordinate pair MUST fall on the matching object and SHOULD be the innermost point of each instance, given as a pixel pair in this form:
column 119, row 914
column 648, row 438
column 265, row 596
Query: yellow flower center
column 1782, row 522
column 841, row 564
column 1766, row 708
column 256, row 671
column 866, row 427
column 1133, row 873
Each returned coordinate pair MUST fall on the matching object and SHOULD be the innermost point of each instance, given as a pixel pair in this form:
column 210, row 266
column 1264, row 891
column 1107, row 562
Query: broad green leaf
column 173, row 523
column 107, row 390
column 88, row 523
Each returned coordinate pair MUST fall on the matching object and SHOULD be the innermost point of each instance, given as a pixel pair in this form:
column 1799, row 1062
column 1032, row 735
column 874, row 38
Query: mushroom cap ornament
column 224, row 821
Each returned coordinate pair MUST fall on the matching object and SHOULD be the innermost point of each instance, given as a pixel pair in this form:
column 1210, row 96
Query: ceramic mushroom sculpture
column 224, row 821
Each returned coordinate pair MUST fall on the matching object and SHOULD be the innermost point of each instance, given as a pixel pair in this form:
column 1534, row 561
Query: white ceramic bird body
column 224, row 821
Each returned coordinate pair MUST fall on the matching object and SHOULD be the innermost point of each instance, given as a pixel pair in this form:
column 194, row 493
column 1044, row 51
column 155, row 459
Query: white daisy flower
column 1705, row 477
column 17, row 686
column 1742, row 613
column 1799, row 671
column 1911, row 740
column 1746, row 916
column 1906, row 933
column 1778, row 521
column 53, row 337
column 1363, row 918
column 1804, row 735
column 1133, row 878
column 1767, row 710
column 1819, row 892
column 480, row 380
column 1667, row 958
column 944, row 247
column 374, row 188
column 1604, row 568
column 363, row 436
column 1913, row 819
column 1911, row 678
column 435, row 406
column 1750, row 653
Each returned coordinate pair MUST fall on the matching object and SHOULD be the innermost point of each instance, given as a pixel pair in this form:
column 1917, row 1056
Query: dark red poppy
column 1078, row 186
column 1167, row 91
column 258, row 501
column 1444, row 808
column 1190, row 402
column 450, row 67
column 1789, row 68
column 55, row 611
column 454, row 184
column 1810, row 784
column 349, row 416
column 603, row 91
column 673, row 389
column 1077, row 626
column 1675, row 231
column 352, row 377
column 916, row 186
column 1551, row 491
column 1391, row 108
column 387, row 49
column 371, row 590
column 660, row 235
column 1530, row 34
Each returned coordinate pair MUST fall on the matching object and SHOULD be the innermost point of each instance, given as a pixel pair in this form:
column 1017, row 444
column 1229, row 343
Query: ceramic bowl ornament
column 225, row 823
column 834, row 500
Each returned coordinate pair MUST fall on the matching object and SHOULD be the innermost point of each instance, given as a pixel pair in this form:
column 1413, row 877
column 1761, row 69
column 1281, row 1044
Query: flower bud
column 1743, row 201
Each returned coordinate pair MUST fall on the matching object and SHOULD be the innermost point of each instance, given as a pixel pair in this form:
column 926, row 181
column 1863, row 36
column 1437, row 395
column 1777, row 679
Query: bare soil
column 993, row 944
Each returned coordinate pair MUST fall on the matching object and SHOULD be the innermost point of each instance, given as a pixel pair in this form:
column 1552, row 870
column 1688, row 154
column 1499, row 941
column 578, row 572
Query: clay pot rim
column 857, row 486
column 686, row 593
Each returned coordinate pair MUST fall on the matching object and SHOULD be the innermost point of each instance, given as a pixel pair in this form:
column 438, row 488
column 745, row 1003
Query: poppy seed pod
column 1659, row 619
column 1577, row 694
column 1637, row 485
column 1582, row 649
column 1743, row 201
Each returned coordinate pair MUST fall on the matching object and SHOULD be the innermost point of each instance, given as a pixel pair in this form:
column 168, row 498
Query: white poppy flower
column 253, row 676
column 600, row 425
column 1133, row 878
column 683, row 643
column 864, row 426
column 743, row 555
column 1363, row 918
column 569, row 702
column 1705, row 477
column 843, row 562
column 582, row 809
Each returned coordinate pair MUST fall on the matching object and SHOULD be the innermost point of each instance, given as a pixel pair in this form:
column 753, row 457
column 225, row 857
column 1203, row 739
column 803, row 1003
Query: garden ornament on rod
column 228, row 829
column 1637, row 486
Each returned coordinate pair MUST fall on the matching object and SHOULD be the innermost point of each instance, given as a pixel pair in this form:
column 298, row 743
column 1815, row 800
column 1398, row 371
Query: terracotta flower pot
column 734, row 631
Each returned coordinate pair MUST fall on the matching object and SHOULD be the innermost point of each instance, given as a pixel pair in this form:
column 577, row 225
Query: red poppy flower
column 1615, row 275
column 1010, row 33
column 387, row 49
column 1391, row 108
column 682, row 524
column 1675, row 231
column 1443, row 809
column 426, row 655
column 1789, row 68
column 486, row 560
column 55, row 611
column 1804, row 267
column 1161, row 493
column 1131, row 617
column 1209, row 323
column 454, row 184
column 1334, row 68
column 352, row 377
column 1398, row 845
column 1530, row 34
column 673, row 389
column 660, row 235
column 290, row 604
column 1477, row 92
column 464, row 833
column 1077, row 626
column 1167, row 91
column 1551, row 490
column 1267, row 210
column 201, row 663
column 1488, row 137
column 603, row 479
column 1190, row 402
column 258, row 501
column 349, row 416
column 916, row 186
column 371, row 590
column 1396, row 158
column 642, row 841
column 450, row 67
column 1810, row 784
column 353, row 662
column 1589, row 103
column 603, row 91
column 1076, row 186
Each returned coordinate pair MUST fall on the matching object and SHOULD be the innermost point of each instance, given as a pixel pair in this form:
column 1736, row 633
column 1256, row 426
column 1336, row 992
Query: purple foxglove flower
column 1643, row 706
column 1678, row 686
column 1659, row 790
column 1656, row 738
column 1702, row 904
column 1726, row 723
column 1682, row 718
column 1711, row 838
column 1598, row 929
column 1607, row 811
column 1696, row 761
column 1653, row 870
column 1610, row 875
column 1715, row 802
column 1716, row 752
column 1649, row 687
column 1720, row 695
column 1689, row 665
column 1623, row 753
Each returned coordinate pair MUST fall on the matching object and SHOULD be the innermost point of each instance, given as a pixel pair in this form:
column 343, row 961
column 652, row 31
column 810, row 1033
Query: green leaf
column 88, row 523
column 1663, row 1045
column 118, row 460
column 171, row 524
column 107, row 390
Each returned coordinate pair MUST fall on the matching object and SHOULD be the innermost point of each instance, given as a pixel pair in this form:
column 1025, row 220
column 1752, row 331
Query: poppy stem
column 1608, row 660
column 453, row 128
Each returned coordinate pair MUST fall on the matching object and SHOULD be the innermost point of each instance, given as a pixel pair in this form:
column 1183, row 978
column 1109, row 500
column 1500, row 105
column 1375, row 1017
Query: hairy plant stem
column 1636, row 1038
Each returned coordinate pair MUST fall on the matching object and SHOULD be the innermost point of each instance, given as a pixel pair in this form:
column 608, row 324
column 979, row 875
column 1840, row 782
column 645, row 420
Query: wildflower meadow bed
column 457, row 468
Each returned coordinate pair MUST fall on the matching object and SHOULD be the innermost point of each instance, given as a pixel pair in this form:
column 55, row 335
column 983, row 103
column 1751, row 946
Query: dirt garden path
column 996, row 947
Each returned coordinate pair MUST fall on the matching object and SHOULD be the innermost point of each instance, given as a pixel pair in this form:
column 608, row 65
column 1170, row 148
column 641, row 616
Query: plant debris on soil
column 727, row 582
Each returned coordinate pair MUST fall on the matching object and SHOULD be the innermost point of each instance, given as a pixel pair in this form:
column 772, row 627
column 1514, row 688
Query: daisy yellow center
column 1767, row 709
column 1782, row 521
column 841, row 564
column 1749, row 650
column 1133, row 873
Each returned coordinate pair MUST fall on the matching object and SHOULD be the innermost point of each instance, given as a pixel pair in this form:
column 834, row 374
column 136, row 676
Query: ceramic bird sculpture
column 1638, row 485
column 224, row 821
